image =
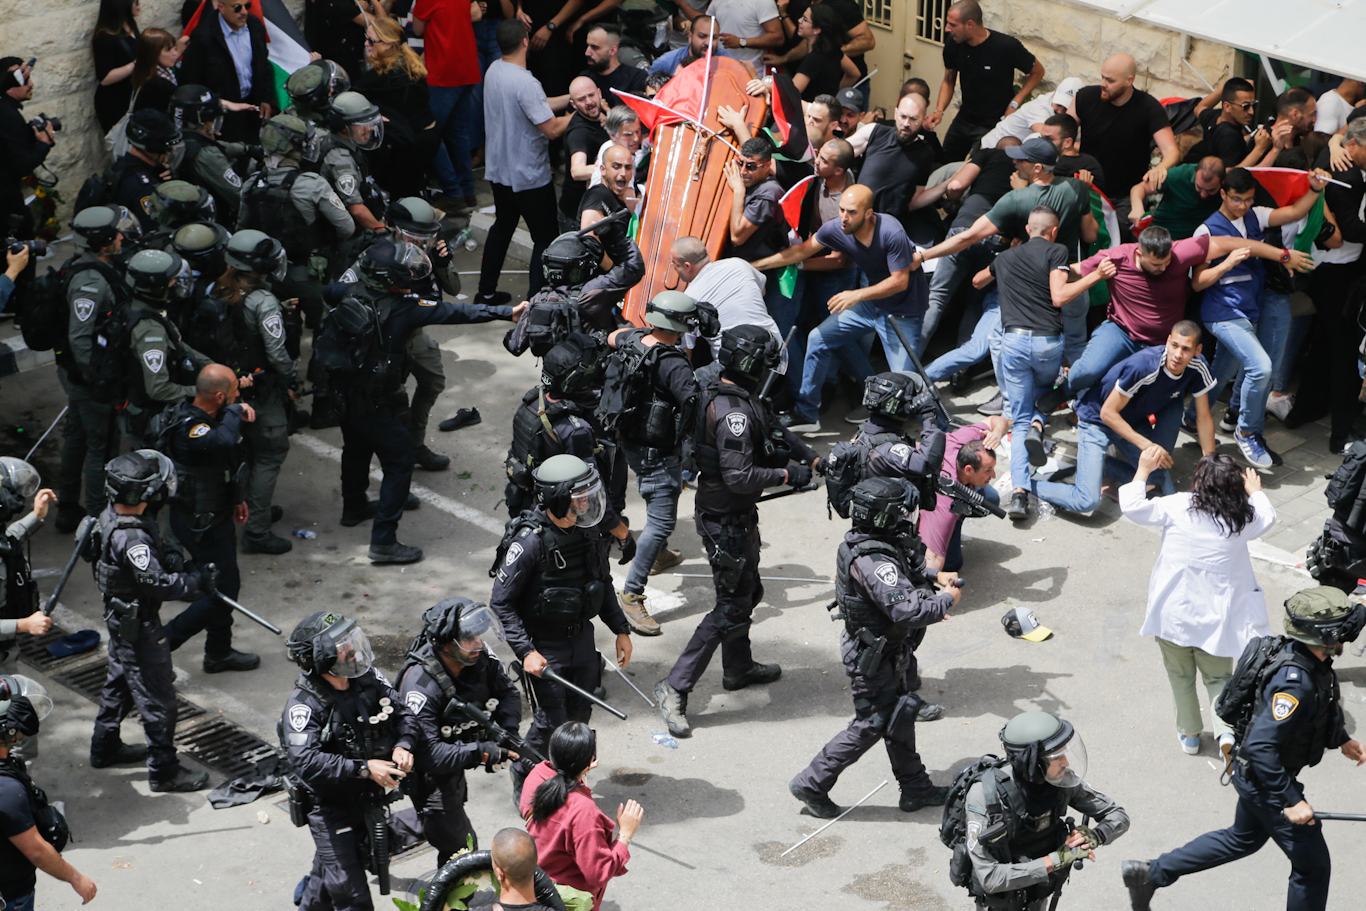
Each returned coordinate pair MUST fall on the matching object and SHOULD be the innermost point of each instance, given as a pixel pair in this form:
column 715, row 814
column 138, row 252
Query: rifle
column 377, row 830
column 966, row 501
column 940, row 412
column 82, row 538
column 500, row 735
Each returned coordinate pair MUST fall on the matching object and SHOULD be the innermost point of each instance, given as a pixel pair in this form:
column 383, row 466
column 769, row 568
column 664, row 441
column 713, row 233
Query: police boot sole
column 124, row 754
column 1140, row 884
column 266, row 544
column 817, row 804
column 184, row 782
column 760, row 673
column 935, row 797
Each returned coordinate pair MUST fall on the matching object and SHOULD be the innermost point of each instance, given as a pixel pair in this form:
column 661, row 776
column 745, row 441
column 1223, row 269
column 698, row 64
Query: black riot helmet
column 570, row 260
column 159, row 277
column 414, row 220
column 179, row 202
column 142, row 476
column 152, row 132
column 24, row 703
column 464, row 623
column 194, row 107
column 568, row 487
column 574, row 366
column 747, row 353
column 312, row 88
column 329, row 643
column 202, row 245
column 879, row 505
column 1044, row 748
column 256, row 251
column 1323, row 617
column 95, row 227
column 18, row 482
column 394, row 265
column 897, row 395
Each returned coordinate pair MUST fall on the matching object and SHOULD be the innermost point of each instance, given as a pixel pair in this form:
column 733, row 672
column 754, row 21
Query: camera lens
column 37, row 248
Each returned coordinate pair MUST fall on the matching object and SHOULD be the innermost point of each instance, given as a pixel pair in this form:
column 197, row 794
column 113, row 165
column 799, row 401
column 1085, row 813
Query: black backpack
column 350, row 355
column 44, row 313
column 550, row 319
column 626, row 385
column 101, row 188
column 1344, row 490
column 49, row 821
column 953, row 827
column 845, row 466
column 1237, row 704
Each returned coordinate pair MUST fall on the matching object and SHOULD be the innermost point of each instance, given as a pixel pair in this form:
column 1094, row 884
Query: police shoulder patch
column 140, row 555
column 973, row 829
column 154, row 358
column 299, row 716
column 274, row 325
column 346, row 183
column 901, row 451
column 886, row 573
column 198, row 430
column 415, row 701
column 1283, row 705
column 514, row 551
column 84, row 307
column 231, row 177
column 379, row 675
column 737, row 422
column 349, row 277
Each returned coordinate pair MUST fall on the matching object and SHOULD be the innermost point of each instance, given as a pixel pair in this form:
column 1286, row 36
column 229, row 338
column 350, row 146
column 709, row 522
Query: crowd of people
column 248, row 243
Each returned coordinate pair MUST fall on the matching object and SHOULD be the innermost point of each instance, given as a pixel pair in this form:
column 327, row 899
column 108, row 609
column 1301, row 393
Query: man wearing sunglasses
column 227, row 54
column 1226, row 126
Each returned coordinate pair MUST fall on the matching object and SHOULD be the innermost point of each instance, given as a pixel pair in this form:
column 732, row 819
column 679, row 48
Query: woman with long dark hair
column 825, row 69
column 1204, row 603
column 114, row 45
column 154, row 77
column 573, row 837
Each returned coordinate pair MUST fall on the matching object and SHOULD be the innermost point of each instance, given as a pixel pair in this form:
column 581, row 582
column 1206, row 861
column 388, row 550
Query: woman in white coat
column 1204, row 603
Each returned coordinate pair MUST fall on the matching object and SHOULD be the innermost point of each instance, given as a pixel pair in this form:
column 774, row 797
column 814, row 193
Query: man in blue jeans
column 1231, row 307
column 1151, row 382
column 878, row 245
column 453, row 72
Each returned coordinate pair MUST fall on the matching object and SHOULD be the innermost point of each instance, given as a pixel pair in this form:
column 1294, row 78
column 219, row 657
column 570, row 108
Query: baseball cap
column 851, row 99
column 1035, row 149
column 1022, row 623
column 1066, row 91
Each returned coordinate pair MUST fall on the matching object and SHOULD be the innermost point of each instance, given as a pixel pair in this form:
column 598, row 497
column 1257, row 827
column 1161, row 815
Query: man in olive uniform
column 198, row 113
column 94, row 286
column 883, row 591
column 155, row 148
column 202, row 436
column 741, row 449
column 299, row 209
column 1296, row 717
column 359, row 129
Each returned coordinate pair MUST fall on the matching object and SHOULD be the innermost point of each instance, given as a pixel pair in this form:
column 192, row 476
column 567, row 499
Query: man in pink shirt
column 973, row 465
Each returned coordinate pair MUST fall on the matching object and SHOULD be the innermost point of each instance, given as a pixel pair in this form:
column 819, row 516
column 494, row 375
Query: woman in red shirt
column 573, row 837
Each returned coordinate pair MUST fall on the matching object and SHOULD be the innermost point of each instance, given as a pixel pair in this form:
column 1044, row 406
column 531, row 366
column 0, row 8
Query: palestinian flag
column 1107, row 238
column 651, row 111
column 285, row 44
column 792, row 200
column 789, row 120
column 1286, row 185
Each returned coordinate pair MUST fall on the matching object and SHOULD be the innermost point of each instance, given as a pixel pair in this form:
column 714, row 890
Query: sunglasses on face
column 1247, row 105
column 240, row 7
column 750, row 165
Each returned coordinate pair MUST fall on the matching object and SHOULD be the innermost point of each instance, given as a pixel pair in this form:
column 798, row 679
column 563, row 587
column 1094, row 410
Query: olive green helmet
column 179, row 202
column 357, row 117
column 312, row 87
column 286, row 133
column 1323, row 617
column 672, row 311
column 202, row 245
column 256, row 251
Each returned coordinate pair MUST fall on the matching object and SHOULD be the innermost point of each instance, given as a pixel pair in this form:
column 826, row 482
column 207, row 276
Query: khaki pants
column 1182, row 662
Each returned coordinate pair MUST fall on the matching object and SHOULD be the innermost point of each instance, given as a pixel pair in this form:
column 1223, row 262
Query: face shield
column 165, row 469
column 175, row 154
column 19, row 476
column 354, row 656
column 367, row 134
column 215, row 126
column 480, row 628
column 410, row 260
column 588, row 502
column 183, row 283
column 1065, row 767
column 19, row 685
column 277, row 271
column 421, row 240
column 127, row 224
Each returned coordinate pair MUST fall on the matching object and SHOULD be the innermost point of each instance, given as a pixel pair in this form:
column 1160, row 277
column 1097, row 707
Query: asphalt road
column 717, row 811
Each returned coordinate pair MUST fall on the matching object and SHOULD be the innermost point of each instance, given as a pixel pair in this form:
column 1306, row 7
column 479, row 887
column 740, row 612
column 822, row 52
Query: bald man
column 1120, row 124
column 896, row 290
column 514, row 866
column 897, row 163
column 624, row 264
column 582, row 138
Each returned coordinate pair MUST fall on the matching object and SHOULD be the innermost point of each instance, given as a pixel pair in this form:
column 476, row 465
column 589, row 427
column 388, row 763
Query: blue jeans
column 944, row 281
column 453, row 108
column 986, row 339
column 841, row 329
column 1029, row 365
column 813, row 292
column 660, row 481
column 953, row 560
column 1093, row 465
column 1074, row 328
column 1239, row 346
column 486, row 42
column 23, row 903
column 1108, row 346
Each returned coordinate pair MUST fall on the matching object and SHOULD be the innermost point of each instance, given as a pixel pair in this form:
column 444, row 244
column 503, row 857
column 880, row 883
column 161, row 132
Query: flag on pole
column 285, row 44
column 1286, row 185
column 1107, row 238
column 790, row 121
column 792, row 200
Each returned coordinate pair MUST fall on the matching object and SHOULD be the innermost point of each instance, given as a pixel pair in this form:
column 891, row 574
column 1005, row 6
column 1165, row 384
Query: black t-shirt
column 850, row 13
column 1121, row 138
column 823, row 73
column 629, row 79
column 330, row 31
column 582, row 135
column 601, row 199
column 986, row 74
column 17, row 877
column 1069, row 165
column 763, row 210
column 1024, row 283
column 1228, row 141
column 994, row 180
column 893, row 172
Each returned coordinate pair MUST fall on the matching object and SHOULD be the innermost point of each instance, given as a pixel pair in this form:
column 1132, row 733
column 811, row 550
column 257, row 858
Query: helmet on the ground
column 574, row 366
column 463, row 622
column 748, row 352
column 159, row 277
column 152, row 132
column 96, row 227
column 329, row 643
column 18, row 482
column 414, row 220
column 256, row 251
column 202, row 245
column 312, row 87
column 672, row 311
column 389, row 265
column 286, row 133
column 179, row 202
column 194, row 107
column 1323, row 617
column 567, row 486
column 141, row 476
column 1044, row 748
column 879, row 505
column 360, row 118
column 570, row 260
column 24, row 703
column 897, row 395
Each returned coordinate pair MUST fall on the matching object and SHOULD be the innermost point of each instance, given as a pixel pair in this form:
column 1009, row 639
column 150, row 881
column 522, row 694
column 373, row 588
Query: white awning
column 1321, row 34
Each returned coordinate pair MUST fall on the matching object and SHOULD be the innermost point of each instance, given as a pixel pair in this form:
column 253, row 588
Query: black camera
column 42, row 122
column 36, row 248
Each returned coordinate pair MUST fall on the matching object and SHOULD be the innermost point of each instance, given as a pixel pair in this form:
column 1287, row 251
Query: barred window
column 929, row 20
column 878, row 12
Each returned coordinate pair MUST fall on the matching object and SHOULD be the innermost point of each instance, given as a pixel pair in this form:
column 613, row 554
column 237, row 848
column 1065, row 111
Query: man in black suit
column 227, row 53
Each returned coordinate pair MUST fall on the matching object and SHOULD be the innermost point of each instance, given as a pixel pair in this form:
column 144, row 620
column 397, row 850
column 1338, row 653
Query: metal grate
column 33, row 650
column 87, row 680
column 878, row 13
column 219, row 743
column 929, row 20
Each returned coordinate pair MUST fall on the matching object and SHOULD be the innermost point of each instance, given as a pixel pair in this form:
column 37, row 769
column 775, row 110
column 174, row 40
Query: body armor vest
column 1307, row 750
column 206, row 483
column 645, row 414
column 368, row 737
column 267, row 205
column 859, row 613
column 112, row 577
column 533, row 435
column 454, row 726
column 569, row 588
column 21, row 595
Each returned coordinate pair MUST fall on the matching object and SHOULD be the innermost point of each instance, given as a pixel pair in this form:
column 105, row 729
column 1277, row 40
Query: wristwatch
column 551, row 25
column 1014, row 105
column 744, row 42
column 1285, row 255
column 362, row 769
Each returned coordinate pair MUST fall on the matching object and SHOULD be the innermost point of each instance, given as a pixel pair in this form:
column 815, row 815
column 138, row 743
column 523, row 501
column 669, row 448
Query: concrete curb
column 16, row 357
column 519, row 249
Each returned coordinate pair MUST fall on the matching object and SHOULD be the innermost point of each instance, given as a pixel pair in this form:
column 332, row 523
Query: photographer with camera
column 23, row 144
column 16, row 261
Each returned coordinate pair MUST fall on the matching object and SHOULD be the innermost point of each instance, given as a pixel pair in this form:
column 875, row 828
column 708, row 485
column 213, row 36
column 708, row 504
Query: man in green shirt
column 1190, row 194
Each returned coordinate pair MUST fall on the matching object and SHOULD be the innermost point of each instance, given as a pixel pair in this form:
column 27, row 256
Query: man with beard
column 896, row 166
column 702, row 31
column 582, row 139
column 606, row 70
column 623, row 261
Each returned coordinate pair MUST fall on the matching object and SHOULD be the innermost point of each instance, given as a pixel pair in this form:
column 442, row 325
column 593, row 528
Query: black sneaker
column 757, row 673
column 1051, row 401
column 427, row 460
column 1138, row 878
column 353, row 517
column 267, row 543
column 117, row 753
column 934, row 797
column 929, row 711
column 496, row 299
column 995, row 405
column 817, row 804
column 1019, row 506
column 394, row 553
column 182, row 781
column 232, row 661
column 1034, row 446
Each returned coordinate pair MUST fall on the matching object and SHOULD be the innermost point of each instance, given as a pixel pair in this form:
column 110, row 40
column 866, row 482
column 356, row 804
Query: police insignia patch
column 346, row 184
column 737, row 423
column 231, row 177
column 901, row 451
column 140, row 555
column 198, row 430
column 154, row 358
column 299, row 716
column 274, row 325
column 886, row 573
column 415, row 701
column 1283, row 705
column 85, row 308
column 973, row 829
column 514, row 552
column 349, row 277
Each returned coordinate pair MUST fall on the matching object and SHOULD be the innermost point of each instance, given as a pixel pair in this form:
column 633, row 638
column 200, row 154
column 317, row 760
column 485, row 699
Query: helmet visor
column 127, row 224
column 354, row 656
column 183, row 285
column 165, row 469
column 421, row 239
column 20, row 476
column 479, row 628
column 588, row 502
column 175, row 154
column 277, row 272
column 1065, row 767
column 412, row 262
column 368, row 134
column 19, row 685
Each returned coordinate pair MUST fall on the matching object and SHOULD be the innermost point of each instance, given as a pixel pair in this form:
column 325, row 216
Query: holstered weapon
column 125, row 613
column 870, row 656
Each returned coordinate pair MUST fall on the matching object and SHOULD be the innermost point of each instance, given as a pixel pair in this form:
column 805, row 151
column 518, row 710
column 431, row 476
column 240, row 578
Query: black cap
column 1036, row 150
column 852, row 99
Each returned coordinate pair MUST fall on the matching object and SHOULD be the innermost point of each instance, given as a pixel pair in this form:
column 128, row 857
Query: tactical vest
column 773, row 454
column 1240, row 288
column 21, row 595
column 454, row 726
column 360, row 363
column 1307, row 750
column 654, row 418
column 534, row 436
column 195, row 143
column 178, row 365
column 860, row 613
column 212, row 328
column 113, row 578
column 207, row 487
column 368, row 737
column 253, row 346
column 371, row 196
column 569, row 588
column 267, row 205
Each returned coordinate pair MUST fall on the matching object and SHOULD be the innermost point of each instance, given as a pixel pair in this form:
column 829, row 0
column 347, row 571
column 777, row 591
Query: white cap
column 1066, row 91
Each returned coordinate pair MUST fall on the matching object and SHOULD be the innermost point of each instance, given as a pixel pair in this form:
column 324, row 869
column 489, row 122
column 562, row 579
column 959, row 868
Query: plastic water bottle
column 466, row 237
column 663, row 738
column 305, row 534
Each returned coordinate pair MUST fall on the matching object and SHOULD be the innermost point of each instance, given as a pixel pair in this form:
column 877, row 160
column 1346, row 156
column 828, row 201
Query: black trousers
column 577, row 660
column 140, row 677
column 537, row 207
column 337, row 881
column 368, row 432
column 438, row 816
column 1330, row 383
column 217, row 545
column 961, row 136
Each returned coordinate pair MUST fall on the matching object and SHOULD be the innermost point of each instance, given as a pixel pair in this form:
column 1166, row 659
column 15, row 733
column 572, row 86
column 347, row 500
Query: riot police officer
column 19, row 611
column 883, row 592
column 449, row 666
column 357, row 127
column 567, row 264
column 650, row 399
column 202, row 436
column 262, row 328
column 349, row 741
column 198, row 113
column 550, row 579
column 93, row 286
column 155, row 147
column 135, row 571
column 299, row 209
column 172, row 205
column 204, row 319
column 311, row 89
column 1296, row 716
column 741, row 449
column 1020, row 847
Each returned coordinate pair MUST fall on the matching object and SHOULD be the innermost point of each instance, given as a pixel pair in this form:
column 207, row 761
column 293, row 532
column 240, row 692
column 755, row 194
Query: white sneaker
column 1280, row 406
column 1226, row 746
column 1189, row 745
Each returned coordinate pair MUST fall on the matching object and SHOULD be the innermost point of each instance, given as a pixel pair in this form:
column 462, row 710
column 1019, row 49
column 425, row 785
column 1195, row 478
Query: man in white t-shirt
column 1335, row 105
column 1029, row 118
column 733, row 287
column 748, row 27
